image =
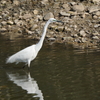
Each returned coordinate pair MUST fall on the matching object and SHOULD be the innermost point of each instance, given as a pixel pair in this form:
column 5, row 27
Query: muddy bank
column 26, row 18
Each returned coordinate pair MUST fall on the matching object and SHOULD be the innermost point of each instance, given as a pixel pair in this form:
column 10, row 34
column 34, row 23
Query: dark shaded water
column 58, row 73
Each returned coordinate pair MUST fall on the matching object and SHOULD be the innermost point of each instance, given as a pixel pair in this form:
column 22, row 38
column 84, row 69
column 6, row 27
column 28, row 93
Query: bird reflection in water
column 26, row 83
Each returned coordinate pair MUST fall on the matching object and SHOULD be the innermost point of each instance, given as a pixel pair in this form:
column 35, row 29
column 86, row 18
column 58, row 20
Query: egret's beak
column 60, row 21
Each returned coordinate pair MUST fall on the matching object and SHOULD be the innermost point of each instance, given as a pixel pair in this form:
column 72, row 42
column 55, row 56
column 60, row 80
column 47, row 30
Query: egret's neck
column 40, row 43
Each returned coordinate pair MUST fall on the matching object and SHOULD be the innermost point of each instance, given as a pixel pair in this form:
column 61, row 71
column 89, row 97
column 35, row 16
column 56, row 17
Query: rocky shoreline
column 26, row 18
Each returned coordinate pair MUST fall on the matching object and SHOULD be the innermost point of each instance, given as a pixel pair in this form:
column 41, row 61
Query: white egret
column 29, row 53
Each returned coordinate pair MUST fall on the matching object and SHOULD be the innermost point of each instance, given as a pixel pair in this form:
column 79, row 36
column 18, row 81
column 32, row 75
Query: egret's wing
column 23, row 55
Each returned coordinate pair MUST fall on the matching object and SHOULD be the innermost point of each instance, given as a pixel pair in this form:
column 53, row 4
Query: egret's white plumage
column 26, row 55
column 29, row 53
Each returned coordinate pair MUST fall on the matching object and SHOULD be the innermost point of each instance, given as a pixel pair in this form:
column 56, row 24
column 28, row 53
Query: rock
column 82, row 33
column 52, row 39
column 44, row 2
column 96, row 26
column 64, row 38
column 48, row 16
column 82, row 15
column 3, row 22
column 95, row 38
column 62, row 13
column 66, row 7
column 95, row 17
column 69, row 39
column 0, row 17
column 74, row 35
column 75, row 26
column 27, row 16
column 16, row 2
column 20, row 31
column 36, row 20
column 56, row 5
column 97, row 1
column 3, row 2
column 10, row 22
column 60, row 28
column 80, row 7
column 83, row 39
column 53, row 27
column 67, row 29
column 29, row 32
column 16, row 21
column 95, row 34
column 40, row 17
column 4, row 14
column 73, row 3
column 3, row 30
column 97, row 13
column 93, row 8
column 35, row 26
column 35, row 12
column 19, row 22
column 66, row 19
column 72, row 13
column 15, row 14
column 78, row 40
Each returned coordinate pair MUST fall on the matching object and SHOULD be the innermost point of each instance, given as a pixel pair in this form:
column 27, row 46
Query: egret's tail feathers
column 7, row 60
column 10, row 60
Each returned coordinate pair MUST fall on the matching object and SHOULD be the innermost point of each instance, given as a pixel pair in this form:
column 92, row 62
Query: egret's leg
column 29, row 63
column 25, row 65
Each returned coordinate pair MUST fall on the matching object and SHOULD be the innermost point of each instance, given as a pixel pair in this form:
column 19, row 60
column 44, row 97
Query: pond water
column 59, row 72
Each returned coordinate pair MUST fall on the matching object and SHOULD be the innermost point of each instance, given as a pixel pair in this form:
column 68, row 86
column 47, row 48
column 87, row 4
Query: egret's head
column 54, row 20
